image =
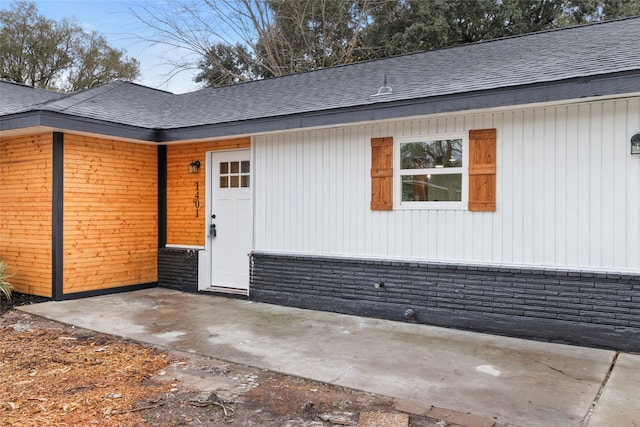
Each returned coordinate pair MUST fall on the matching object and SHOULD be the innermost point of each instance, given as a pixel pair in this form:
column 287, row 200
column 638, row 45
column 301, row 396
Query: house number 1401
column 196, row 199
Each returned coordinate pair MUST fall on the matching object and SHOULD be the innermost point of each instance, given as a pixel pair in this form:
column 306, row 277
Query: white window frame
column 397, row 173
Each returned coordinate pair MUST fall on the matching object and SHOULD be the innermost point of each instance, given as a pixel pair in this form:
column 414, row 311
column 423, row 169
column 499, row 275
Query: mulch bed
column 53, row 377
column 18, row 299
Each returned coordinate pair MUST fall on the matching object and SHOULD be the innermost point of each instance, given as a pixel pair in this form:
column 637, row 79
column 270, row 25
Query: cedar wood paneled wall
column 110, row 214
column 110, row 209
column 25, row 211
column 183, row 227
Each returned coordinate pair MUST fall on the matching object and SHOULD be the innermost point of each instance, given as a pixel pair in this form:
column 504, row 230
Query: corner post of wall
column 57, row 217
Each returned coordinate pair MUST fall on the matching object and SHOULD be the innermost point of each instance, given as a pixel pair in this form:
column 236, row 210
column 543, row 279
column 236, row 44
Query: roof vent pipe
column 384, row 89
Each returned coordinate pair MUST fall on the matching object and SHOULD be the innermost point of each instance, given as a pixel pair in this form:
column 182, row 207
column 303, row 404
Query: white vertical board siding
column 568, row 192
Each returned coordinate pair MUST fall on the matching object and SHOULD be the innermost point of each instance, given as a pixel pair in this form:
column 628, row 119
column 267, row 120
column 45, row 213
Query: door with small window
column 230, row 231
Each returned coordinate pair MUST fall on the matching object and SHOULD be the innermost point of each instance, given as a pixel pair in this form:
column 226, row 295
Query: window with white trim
column 431, row 172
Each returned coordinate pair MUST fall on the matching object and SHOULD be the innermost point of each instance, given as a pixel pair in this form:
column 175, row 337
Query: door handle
column 212, row 227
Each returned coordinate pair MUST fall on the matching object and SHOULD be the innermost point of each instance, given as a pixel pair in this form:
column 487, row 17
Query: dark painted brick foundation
column 178, row 269
column 590, row 309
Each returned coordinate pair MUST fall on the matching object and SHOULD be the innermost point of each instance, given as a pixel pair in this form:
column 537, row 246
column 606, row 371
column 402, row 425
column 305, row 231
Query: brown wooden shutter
column 382, row 174
column 482, row 170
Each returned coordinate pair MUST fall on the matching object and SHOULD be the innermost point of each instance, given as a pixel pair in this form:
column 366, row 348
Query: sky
column 113, row 20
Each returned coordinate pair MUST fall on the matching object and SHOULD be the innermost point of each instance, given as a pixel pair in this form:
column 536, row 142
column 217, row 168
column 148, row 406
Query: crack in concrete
column 342, row 374
column 557, row 370
column 587, row 417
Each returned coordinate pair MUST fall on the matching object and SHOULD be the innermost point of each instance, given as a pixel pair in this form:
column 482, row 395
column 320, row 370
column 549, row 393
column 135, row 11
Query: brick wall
column 584, row 308
column 178, row 269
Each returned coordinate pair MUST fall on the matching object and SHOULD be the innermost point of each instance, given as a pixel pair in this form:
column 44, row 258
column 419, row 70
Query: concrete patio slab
column 513, row 381
column 620, row 400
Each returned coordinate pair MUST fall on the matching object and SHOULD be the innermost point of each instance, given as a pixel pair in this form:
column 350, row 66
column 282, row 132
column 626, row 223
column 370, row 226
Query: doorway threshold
column 220, row 290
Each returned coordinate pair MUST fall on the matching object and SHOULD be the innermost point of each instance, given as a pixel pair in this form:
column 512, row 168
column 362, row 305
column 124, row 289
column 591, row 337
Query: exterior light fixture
column 635, row 143
column 194, row 166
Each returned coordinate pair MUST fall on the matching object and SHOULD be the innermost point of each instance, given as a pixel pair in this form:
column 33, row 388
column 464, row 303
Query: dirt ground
column 58, row 375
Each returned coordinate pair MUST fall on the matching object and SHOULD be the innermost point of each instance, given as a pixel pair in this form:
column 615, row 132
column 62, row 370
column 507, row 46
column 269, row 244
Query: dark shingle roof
column 541, row 58
column 120, row 102
column 15, row 97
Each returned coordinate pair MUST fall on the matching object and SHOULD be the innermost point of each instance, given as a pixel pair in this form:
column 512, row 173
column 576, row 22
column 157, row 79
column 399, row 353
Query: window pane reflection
column 432, row 188
column 446, row 153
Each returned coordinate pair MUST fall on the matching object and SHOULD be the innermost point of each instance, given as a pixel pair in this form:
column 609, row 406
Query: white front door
column 231, row 220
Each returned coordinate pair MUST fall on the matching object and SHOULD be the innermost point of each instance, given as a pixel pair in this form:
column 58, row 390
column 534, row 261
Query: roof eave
column 66, row 122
